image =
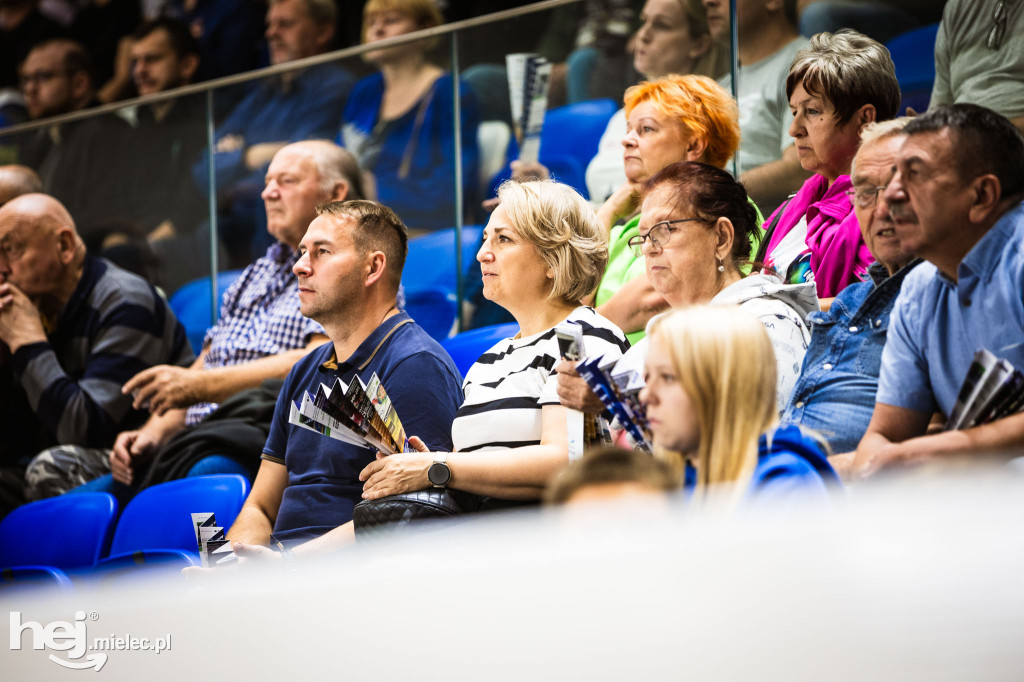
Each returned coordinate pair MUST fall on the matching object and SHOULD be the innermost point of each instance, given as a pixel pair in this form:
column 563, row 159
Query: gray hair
column 334, row 164
column 849, row 70
column 879, row 130
column 320, row 11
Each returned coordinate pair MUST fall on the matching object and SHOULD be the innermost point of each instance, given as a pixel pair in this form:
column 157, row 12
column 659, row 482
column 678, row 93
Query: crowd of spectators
column 781, row 360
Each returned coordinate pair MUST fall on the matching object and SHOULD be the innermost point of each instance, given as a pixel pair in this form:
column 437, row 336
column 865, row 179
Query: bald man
column 73, row 329
column 17, row 180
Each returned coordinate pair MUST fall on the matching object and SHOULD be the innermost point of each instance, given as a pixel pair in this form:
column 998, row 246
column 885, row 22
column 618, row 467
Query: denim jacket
column 835, row 394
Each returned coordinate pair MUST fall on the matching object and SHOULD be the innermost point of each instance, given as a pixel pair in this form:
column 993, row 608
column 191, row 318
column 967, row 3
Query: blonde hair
column 564, row 228
column 704, row 109
column 725, row 363
column 423, row 12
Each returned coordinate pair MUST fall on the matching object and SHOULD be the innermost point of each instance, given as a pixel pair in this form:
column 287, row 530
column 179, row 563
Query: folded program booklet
column 358, row 413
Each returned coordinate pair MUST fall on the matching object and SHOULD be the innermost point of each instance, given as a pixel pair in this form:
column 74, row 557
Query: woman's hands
column 624, row 202
column 573, row 390
column 401, row 472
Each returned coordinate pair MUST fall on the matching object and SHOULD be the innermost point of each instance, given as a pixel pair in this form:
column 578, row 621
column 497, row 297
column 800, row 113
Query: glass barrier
column 178, row 186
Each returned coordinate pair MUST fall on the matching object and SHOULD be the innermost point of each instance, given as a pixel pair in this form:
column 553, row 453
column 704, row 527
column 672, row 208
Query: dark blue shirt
column 323, row 473
column 835, row 393
column 309, row 108
column 412, row 157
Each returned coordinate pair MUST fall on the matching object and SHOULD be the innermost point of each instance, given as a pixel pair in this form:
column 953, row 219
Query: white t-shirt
column 606, row 171
column 764, row 106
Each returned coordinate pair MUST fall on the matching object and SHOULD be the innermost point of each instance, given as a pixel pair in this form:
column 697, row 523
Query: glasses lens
column 658, row 235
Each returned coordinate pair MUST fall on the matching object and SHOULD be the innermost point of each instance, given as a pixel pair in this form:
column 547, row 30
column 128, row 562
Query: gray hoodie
column 782, row 309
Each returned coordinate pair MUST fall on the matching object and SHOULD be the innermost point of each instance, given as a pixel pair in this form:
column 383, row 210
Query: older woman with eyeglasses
column 672, row 119
column 694, row 236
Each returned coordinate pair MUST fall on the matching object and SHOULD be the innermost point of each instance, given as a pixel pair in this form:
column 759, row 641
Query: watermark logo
column 73, row 638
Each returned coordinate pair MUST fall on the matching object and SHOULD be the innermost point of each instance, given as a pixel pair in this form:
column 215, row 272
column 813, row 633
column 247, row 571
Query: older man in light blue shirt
column 956, row 200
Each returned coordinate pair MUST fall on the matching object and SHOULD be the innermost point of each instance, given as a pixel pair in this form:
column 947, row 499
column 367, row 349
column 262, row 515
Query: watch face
column 439, row 473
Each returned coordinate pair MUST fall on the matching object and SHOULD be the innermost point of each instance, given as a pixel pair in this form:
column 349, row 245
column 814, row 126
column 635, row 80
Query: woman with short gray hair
column 838, row 85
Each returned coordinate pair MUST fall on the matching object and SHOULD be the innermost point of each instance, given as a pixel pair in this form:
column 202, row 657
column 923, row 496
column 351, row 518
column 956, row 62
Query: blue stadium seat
column 913, row 53
column 159, row 518
column 467, row 347
column 434, row 309
column 67, row 532
column 431, row 259
column 569, row 141
column 575, row 130
column 19, row 577
column 191, row 305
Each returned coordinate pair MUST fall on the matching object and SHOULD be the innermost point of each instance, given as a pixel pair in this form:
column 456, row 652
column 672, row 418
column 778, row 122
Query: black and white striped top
column 507, row 387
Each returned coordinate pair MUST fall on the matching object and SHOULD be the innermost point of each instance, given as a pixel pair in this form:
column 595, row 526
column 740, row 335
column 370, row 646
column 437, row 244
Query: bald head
column 40, row 250
column 17, row 180
column 41, row 210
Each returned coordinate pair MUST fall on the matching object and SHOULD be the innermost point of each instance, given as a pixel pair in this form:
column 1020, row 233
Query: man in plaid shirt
column 260, row 333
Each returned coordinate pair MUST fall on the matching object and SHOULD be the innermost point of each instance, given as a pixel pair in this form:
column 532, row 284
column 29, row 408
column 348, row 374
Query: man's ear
column 988, row 191
column 376, row 267
column 66, row 245
column 324, row 37
column 81, row 84
column 189, row 66
column 340, row 191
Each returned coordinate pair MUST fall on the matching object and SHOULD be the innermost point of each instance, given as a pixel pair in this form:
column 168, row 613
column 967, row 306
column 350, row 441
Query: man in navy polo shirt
column 956, row 199
column 349, row 271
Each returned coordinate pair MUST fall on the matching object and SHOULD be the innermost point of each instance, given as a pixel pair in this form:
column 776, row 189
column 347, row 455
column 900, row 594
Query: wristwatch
column 439, row 474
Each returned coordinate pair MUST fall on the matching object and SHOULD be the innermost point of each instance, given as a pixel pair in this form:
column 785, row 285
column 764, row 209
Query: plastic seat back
column 575, row 130
column 467, row 347
column 191, row 305
column 568, row 142
column 431, row 259
column 434, row 309
column 160, row 517
column 18, row 577
column 913, row 53
column 68, row 532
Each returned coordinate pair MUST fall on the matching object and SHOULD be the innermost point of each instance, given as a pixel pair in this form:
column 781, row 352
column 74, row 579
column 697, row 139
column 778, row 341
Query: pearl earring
column 721, row 267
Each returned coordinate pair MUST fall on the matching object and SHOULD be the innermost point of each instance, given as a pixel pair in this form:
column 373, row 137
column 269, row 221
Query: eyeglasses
column 865, row 197
column 998, row 30
column 40, row 77
column 659, row 234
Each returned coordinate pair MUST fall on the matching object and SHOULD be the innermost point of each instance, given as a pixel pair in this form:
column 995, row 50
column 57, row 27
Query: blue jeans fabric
column 835, row 394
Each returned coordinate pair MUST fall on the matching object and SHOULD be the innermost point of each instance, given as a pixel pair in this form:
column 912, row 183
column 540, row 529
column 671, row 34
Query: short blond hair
column 564, row 228
column 725, row 363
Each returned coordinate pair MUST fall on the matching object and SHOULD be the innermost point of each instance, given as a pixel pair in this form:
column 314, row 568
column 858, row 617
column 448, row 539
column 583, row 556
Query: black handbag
column 373, row 517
